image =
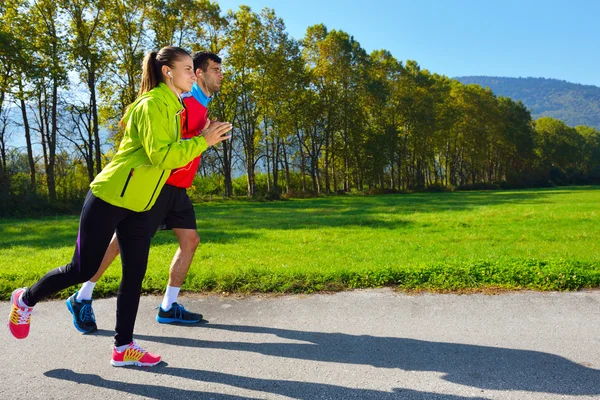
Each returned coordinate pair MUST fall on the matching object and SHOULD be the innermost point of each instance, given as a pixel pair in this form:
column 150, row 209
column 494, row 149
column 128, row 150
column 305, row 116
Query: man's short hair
column 201, row 58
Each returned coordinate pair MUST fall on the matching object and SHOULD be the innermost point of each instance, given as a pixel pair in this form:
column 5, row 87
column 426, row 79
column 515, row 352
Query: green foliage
column 203, row 187
column 561, row 150
column 310, row 117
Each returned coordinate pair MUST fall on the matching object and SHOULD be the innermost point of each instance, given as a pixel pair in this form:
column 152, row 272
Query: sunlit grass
column 538, row 239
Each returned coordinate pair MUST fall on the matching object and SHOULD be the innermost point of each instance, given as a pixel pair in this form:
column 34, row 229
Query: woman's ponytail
column 152, row 69
column 151, row 75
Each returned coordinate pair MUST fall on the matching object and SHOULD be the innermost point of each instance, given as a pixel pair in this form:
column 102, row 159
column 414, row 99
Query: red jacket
column 193, row 119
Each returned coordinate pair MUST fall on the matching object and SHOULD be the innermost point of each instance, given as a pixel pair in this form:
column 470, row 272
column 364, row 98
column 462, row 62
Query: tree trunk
column 333, row 171
column 52, row 143
column 326, row 163
column 345, row 165
column 314, row 168
column 302, row 160
column 267, row 155
column 275, row 153
column 251, row 183
column 89, row 156
column 227, row 168
column 94, row 107
column 3, row 171
column 250, row 166
column 43, row 117
column 30, row 160
column 287, row 169
column 267, row 164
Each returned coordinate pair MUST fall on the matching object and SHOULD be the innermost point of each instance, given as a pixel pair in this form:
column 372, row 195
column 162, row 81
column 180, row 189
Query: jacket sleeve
column 156, row 136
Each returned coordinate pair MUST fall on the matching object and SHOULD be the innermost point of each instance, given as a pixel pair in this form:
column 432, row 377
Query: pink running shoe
column 134, row 355
column 18, row 320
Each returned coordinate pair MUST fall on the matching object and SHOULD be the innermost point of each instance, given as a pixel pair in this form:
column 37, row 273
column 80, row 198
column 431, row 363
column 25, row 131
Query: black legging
column 99, row 221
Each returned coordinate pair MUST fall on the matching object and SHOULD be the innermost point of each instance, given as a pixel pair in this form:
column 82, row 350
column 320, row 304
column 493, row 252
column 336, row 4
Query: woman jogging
column 121, row 194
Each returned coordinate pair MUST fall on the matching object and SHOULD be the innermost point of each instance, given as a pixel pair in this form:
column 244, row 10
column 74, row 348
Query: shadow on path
column 294, row 389
column 483, row 367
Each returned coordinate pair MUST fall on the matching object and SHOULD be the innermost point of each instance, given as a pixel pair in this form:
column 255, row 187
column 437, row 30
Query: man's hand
column 214, row 131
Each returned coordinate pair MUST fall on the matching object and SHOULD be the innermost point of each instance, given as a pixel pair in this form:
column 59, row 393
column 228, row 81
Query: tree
column 591, row 152
column 17, row 59
column 242, row 36
column 381, row 141
column 88, row 57
column 48, row 38
column 127, row 43
column 190, row 24
column 4, row 137
column 278, row 61
column 559, row 148
column 518, row 154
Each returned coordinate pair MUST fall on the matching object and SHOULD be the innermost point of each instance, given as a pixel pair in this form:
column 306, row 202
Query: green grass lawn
column 544, row 239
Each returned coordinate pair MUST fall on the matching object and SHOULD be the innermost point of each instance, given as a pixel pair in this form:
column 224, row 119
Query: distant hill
column 572, row 103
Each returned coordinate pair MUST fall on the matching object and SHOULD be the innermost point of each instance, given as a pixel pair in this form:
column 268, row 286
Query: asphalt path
column 367, row 344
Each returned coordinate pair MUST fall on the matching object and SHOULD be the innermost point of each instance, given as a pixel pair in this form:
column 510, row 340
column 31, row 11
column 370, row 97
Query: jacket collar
column 165, row 94
column 200, row 96
column 161, row 92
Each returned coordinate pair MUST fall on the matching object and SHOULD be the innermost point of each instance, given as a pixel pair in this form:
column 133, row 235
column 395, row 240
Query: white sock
column 170, row 297
column 121, row 349
column 85, row 293
column 20, row 301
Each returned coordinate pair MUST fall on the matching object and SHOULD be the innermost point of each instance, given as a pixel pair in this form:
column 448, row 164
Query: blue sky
column 549, row 39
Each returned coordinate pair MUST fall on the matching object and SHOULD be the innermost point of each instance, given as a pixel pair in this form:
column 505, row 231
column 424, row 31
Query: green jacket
column 150, row 148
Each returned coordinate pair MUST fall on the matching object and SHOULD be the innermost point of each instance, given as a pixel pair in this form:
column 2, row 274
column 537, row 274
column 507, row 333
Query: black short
column 173, row 209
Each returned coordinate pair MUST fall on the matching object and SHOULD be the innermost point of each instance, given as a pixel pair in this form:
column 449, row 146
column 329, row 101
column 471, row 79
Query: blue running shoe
column 177, row 314
column 83, row 314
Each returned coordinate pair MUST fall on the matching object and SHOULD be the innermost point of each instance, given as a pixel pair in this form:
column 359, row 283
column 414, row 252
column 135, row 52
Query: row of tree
column 320, row 108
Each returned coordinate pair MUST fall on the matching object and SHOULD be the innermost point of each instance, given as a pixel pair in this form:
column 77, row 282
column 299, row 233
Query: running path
column 371, row 344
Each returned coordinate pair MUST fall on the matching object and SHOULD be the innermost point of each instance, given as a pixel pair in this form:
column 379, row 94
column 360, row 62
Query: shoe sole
column 133, row 363
column 75, row 320
column 161, row 320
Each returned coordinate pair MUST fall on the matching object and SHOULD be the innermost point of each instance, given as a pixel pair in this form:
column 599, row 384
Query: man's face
column 211, row 78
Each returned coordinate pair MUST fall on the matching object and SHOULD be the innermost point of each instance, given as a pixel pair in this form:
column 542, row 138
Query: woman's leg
column 134, row 237
column 97, row 224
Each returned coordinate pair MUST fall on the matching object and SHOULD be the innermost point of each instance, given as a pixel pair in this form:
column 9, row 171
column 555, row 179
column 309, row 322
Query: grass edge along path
column 439, row 277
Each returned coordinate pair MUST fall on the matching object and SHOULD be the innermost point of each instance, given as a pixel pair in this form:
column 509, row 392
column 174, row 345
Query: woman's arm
column 156, row 136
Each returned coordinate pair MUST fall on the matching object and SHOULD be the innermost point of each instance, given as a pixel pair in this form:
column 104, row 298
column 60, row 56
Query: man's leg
column 80, row 303
column 182, row 219
column 188, row 243
column 85, row 293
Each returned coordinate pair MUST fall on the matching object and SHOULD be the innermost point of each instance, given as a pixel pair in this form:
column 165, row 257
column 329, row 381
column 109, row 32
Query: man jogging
column 173, row 208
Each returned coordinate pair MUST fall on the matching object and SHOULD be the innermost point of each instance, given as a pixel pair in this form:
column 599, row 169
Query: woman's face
column 182, row 75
